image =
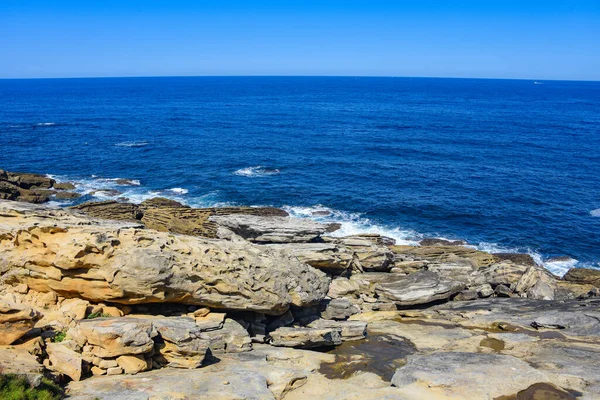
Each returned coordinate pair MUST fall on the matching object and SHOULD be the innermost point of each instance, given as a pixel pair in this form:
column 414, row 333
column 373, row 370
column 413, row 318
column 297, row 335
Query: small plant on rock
column 97, row 315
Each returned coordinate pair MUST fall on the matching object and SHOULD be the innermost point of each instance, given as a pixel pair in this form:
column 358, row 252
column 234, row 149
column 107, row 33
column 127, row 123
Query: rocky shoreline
column 158, row 300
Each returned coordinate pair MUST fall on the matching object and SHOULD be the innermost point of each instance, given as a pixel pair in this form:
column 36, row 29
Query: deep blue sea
column 504, row 164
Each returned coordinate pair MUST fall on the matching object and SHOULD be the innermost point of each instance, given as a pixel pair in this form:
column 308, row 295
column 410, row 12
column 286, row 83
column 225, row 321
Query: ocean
column 507, row 165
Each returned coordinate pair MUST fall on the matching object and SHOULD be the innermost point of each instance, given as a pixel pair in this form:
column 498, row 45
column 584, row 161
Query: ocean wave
column 353, row 224
column 178, row 190
column 132, row 144
column 256, row 171
column 595, row 213
column 45, row 124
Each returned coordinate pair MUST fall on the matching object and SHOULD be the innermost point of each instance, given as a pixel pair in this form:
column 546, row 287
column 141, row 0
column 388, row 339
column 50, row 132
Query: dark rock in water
column 64, row 186
column 517, row 258
column 333, row 227
column 161, row 202
column 441, row 242
column 126, row 182
column 320, row 213
column 28, row 181
column 583, row 275
column 67, row 195
column 30, row 188
column 110, row 210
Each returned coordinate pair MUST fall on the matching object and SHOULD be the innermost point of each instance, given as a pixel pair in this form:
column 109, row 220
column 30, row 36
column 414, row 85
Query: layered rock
column 32, row 188
column 305, row 337
column 78, row 257
column 418, row 288
column 15, row 321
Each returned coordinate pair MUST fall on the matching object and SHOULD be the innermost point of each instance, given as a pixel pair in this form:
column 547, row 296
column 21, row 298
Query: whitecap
column 595, row 213
column 560, row 266
column 353, row 224
column 256, row 171
column 132, row 144
column 178, row 190
column 46, row 124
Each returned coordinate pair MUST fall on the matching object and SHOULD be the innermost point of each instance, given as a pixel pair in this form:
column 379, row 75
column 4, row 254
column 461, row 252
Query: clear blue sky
column 485, row 38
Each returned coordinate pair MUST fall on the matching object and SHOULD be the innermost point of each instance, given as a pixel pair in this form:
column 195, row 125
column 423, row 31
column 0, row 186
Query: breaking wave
column 256, row 171
column 132, row 144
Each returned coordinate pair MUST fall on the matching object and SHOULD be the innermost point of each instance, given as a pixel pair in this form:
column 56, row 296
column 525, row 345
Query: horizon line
column 298, row 76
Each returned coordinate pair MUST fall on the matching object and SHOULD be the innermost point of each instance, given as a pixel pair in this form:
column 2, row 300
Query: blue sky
column 487, row 38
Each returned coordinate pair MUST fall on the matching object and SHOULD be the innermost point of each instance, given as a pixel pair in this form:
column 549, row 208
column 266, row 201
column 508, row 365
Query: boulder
column 64, row 360
column 132, row 364
column 28, row 181
column 113, row 337
column 15, row 321
column 64, row 186
column 583, row 276
column 18, row 361
column 115, row 262
column 465, row 375
column 305, row 337
column 516, row 258
column 349, row 330
column 161, row 202
column 263, row 229
column 418, row 288
column 182, row 345
column 232, row 338
column 329, row 257
column 339, row 309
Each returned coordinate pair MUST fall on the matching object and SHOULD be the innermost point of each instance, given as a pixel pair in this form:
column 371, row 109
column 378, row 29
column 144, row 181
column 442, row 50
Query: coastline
column 250, row 302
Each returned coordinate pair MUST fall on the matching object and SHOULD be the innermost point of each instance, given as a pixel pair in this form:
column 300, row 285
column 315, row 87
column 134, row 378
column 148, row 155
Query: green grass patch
column 97, row 315
column 14, row 387
column 59, row 337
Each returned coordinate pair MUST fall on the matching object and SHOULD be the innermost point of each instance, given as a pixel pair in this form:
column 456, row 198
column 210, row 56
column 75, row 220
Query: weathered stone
column 349, row 330
column 342, row 287
column 262, row 229
column 285, row 319
column 232, row 338
column 114, row 262
column 112, row 210
column 182, row 345
column 583, row 276
column 97, row 371
column 114, row 371
column 132, row 364
column 418, row 288
column 443, row 254
column 15, row 321
column 18, row 361
column 161, row 202
column 64, row 186
column 64, row 360
column 28, row 181
column 201, row 312
column 503, row 291
column 484, row 290
column 516, row 258
column 466, row 295
column 66, row 195
column 305, row 337
column 328, row 257
column 112, row 337
column 339, row 309
column 465, row 375
column 211, row 321
column 441, row 242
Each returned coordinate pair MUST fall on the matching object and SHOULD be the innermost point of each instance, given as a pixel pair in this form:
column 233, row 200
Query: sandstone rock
column 66, row 195
column 114, row 371
column 442, row 254
column 285, row 319
column 97, row 371
column 182, row 345
column 328, row 257
column 466, row 295
column 418, row 288
column 516, row 258
column 465, row 375
column 111, row 261
column 305, row 337
column 262, row 229
column 210, row 321
column 132, row 364
column 504, row 273
column 342, row 287
column 441, row 242
column 18, row 361
column 64, row 360
column 201, row 312
column 339, row 309
column 195, row 221
column 232, row 338
column 112, row 210
column 349, row 330
column 484, row 290
column 15, row 321
column 112, row 337
column 583, row 276
column 161, row 202
column 28, row 181
column 64, row 186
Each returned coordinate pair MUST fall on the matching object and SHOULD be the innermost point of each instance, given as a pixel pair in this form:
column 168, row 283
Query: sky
column 526, row 39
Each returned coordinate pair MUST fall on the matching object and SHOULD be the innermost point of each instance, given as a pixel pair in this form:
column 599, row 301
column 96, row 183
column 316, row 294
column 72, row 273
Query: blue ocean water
column 504, row 164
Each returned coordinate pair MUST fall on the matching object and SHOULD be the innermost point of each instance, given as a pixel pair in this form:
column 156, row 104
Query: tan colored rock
column 305, row 337
column 211, row 321
column 75, row 308
column 201, row 312
column 112, row 337
column 114, row 371
column 97, row 371
column 17, row 360
column 418, row 288
column 442, row 254
column 64, row 186
column 231, row 338
column 132, row 364
column 74, row 256
column 15, row 321
column 583, row 276
column 111, row 210
column 64, row 360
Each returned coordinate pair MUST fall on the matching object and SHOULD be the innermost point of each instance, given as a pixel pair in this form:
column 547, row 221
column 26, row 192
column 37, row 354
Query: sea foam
column 256, row 171
column 595, row 213
column 132, row 144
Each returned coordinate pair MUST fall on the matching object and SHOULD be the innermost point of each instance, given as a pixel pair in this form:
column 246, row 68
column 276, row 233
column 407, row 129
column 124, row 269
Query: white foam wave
column 46, row 124
column 256, row 171
column 353, row 224
column 178, row 190
column 595, row 213
column 132, row 144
